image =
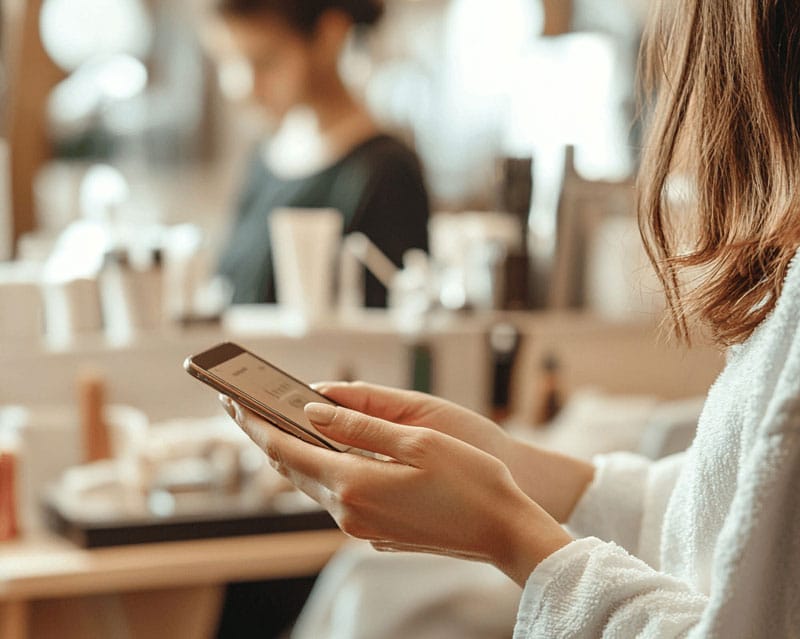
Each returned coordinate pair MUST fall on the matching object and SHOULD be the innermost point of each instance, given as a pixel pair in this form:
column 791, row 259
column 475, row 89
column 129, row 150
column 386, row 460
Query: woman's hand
column 554, row 481
column 441, row 495
column 419, row 409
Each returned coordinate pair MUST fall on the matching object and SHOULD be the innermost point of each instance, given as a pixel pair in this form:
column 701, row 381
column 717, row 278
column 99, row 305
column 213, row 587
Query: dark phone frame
column 197, row 366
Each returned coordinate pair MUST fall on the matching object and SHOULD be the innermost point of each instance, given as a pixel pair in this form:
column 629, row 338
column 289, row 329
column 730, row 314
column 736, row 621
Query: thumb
column 406, row 444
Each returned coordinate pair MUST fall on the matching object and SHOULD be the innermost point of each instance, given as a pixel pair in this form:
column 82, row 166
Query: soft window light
column 75, row 31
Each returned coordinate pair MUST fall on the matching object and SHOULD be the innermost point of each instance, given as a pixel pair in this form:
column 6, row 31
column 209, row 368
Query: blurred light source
column 235, row 78
column 75, row 31
column 572, row 94
column 485, row 40
column 78, row 253
column 94, row 85
column 235, row 74
column 120, row 77
column 103, row 190
column 451, row 83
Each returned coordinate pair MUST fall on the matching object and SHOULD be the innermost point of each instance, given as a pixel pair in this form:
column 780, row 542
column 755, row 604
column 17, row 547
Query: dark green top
column 379, row 189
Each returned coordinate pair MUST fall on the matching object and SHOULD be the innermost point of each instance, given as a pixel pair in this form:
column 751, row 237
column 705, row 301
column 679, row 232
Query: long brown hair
column 725, row 79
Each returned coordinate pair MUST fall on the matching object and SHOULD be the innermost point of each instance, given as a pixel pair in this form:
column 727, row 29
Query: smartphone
column 263, row 388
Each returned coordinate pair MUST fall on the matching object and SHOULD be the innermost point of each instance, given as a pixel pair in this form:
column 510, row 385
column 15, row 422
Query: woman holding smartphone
column 702, row 544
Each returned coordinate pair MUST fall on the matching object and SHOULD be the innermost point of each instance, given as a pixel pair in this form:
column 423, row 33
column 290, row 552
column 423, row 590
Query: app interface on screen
column 268, row 386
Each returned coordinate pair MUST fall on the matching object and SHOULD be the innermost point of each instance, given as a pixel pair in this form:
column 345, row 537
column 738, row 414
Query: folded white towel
column 715, row 531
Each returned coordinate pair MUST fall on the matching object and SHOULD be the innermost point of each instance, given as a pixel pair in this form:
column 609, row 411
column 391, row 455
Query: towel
column 702, row 544
column 364, row 594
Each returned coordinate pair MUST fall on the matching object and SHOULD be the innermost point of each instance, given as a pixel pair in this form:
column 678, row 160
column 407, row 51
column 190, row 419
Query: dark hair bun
column 304, row 14
column 363, row 12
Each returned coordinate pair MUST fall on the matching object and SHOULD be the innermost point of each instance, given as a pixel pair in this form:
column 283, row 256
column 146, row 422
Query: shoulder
column 786, row 329
column 384, row 173
column 791, row 284
column 384, row 153
column 771, row 358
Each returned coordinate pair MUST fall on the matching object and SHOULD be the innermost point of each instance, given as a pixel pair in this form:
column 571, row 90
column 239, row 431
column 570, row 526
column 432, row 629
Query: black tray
column 98, row 533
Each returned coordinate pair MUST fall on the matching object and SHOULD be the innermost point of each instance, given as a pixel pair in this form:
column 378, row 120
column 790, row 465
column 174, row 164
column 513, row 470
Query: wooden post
column 91, row 405
column 557, row 17
column 32, row 75
column 14, row 619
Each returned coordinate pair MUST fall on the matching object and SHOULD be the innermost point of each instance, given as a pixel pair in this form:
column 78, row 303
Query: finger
column 311, row 469
column 407, row 444
column 321, row 386
column 286, row 452
column 379, row 401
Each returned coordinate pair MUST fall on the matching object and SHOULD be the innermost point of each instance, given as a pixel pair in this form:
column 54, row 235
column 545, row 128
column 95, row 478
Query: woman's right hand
column 554, row 481
column 438, row 494
column 419, row 409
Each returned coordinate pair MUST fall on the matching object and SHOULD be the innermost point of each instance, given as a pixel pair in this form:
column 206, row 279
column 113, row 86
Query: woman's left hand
column 440, row 495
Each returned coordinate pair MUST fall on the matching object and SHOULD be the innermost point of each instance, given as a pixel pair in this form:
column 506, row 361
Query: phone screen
column 269, row 386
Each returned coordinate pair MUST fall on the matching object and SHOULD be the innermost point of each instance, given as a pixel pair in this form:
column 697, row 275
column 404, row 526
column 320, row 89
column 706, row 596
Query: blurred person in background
column 699, row 544
column 326, row 151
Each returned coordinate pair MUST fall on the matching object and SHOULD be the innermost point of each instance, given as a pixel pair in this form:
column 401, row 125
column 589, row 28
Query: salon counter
column 146, row 372
column 50, row 588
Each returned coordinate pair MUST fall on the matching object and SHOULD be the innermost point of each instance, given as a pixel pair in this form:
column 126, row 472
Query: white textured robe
column 701, row 544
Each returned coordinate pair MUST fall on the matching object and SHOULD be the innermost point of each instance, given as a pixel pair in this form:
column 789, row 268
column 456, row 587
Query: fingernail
column 227, row 404
column 320, row 414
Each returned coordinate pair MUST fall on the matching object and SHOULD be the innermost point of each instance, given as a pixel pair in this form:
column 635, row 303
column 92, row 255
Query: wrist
column 554, row 481
column 530, row 536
